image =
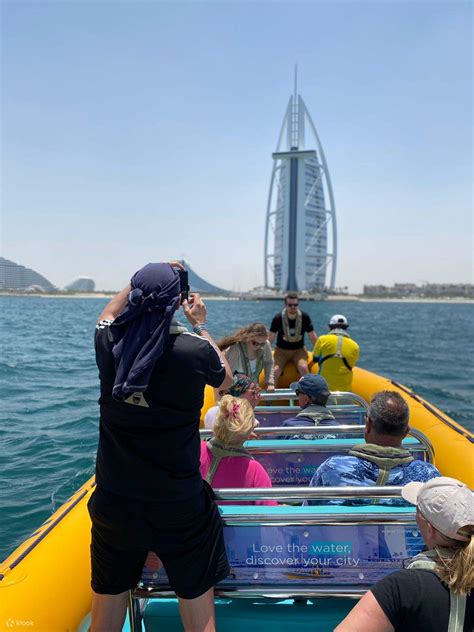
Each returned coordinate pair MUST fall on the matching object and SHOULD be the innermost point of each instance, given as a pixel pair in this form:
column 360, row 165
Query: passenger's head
column 445, row 516
column 244, row 388
column 338, row 321
column 291, row 303
column 255, row 335
column 235, row 421
column 158, row 280
column 311, row 389
column 387, row 418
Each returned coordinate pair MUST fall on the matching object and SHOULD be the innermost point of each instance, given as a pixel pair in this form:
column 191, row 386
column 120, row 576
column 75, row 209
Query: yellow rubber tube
column 45, row 582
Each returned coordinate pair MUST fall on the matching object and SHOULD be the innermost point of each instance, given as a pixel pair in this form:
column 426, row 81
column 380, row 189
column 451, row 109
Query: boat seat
column 294, row 461
column 264, row 615
column 282, row 553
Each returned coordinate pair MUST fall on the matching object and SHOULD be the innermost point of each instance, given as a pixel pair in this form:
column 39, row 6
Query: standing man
column 150, row 495
column 336, row 354
column 290, row 326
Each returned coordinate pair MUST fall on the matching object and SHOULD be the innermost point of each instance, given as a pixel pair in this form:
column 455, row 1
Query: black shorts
column 187, row 537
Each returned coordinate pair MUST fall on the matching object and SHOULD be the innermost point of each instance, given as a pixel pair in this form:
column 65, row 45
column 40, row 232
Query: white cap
column 338, row 319
column 445, row 502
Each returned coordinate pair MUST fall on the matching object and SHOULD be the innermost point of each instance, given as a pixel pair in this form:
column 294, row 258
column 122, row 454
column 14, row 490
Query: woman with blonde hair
column 248, row 351
column 224, row 461
column 435, row 592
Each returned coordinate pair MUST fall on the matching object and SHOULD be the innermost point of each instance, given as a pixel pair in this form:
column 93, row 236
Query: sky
column 143, row 131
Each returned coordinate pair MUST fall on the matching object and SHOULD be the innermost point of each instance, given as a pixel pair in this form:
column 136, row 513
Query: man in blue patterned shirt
column 381, row 460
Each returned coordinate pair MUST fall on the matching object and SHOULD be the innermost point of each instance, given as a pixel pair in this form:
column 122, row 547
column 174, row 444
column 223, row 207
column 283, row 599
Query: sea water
column 49, row 386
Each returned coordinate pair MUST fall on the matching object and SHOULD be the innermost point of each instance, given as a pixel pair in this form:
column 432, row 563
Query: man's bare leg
column 108, row 612
column 302, row 367
column 198, row 614
column 276, row 374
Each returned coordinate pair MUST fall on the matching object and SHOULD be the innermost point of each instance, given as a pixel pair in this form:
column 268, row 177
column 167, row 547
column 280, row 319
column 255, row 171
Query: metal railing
column 277, row 431
column 284, row 494
column 297, row 430
column 336, row 398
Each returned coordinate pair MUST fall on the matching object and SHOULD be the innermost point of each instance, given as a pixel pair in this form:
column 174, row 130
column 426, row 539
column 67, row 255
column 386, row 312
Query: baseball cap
column 312, row 385
column 338, row 319
column 445, row 502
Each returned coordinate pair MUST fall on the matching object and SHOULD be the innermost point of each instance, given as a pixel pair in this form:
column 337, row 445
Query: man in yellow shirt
column 336, row 353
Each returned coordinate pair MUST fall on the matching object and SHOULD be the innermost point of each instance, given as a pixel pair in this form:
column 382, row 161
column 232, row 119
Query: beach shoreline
column 329, row 299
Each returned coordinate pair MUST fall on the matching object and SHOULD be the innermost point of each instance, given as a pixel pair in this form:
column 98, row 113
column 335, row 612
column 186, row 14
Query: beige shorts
column 295, row 356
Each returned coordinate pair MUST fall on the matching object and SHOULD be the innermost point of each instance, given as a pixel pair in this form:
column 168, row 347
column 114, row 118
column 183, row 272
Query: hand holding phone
column 195, row 310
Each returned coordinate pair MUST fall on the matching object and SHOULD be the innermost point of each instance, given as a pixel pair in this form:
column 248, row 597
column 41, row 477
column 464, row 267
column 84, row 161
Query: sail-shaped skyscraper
column 300, row 232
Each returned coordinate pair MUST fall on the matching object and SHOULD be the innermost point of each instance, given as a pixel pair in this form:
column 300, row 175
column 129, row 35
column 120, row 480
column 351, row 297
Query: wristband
column 198, row 329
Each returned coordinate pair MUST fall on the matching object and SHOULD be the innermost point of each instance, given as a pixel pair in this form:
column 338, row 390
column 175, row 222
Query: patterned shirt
column 352, row 471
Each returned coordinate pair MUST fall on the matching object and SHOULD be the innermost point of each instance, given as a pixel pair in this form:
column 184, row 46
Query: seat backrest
column 296, row 549
column 294, row 462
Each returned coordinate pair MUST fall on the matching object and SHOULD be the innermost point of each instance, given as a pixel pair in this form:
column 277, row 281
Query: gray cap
column 445, row 502
column 312, row 385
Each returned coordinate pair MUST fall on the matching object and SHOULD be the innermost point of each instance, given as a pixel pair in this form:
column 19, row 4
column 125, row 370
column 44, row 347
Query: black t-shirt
column 418, row 601
column 277, row 328
column 153, row 453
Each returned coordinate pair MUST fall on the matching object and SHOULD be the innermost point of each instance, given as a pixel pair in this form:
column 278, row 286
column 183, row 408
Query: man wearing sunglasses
column 313, row 393
column 289, row 328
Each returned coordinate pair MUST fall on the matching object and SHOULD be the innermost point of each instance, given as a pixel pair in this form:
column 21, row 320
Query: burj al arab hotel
column 300, row 232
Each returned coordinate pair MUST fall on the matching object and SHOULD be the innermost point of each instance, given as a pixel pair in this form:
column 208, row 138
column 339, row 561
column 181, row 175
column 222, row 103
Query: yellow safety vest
column 336, row 355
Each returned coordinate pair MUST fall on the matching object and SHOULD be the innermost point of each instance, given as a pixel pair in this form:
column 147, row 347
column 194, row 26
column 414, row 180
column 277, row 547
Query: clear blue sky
column 143, row 131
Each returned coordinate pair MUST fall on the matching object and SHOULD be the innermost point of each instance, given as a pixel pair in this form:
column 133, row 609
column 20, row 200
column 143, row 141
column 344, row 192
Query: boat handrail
column 423, row 439
column 275, row 431
column 345, row 408
column 285, row 494
column 289, row 394
column 264, row 591
column 296, row 430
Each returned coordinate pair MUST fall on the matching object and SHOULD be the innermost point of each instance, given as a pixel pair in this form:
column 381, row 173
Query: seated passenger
column 381, row 460
column 243, row 388
column 248, row 351
column 436, row 592
column 224, row 461
column 313, row 393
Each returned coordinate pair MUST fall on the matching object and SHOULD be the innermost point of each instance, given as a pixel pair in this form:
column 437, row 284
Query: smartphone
column 183, row 285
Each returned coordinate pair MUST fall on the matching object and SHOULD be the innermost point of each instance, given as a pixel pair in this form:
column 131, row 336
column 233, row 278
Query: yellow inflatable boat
column 44, row 583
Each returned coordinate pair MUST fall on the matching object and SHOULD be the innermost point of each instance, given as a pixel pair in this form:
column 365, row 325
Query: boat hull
column 45, row 582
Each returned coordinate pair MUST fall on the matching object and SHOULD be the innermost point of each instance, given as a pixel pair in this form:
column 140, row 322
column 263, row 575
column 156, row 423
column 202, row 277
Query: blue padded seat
column 264, row 615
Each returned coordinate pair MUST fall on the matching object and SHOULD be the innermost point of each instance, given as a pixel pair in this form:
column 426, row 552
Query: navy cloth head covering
column 241, row 384
column 141, row 332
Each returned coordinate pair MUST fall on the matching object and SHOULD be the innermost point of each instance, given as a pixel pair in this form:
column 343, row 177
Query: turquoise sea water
column 49, row 385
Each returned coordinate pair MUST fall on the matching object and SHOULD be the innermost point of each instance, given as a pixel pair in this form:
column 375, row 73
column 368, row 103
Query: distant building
column 428, row 290
column 16, row 277
column 300, row 236
column 81, row 284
